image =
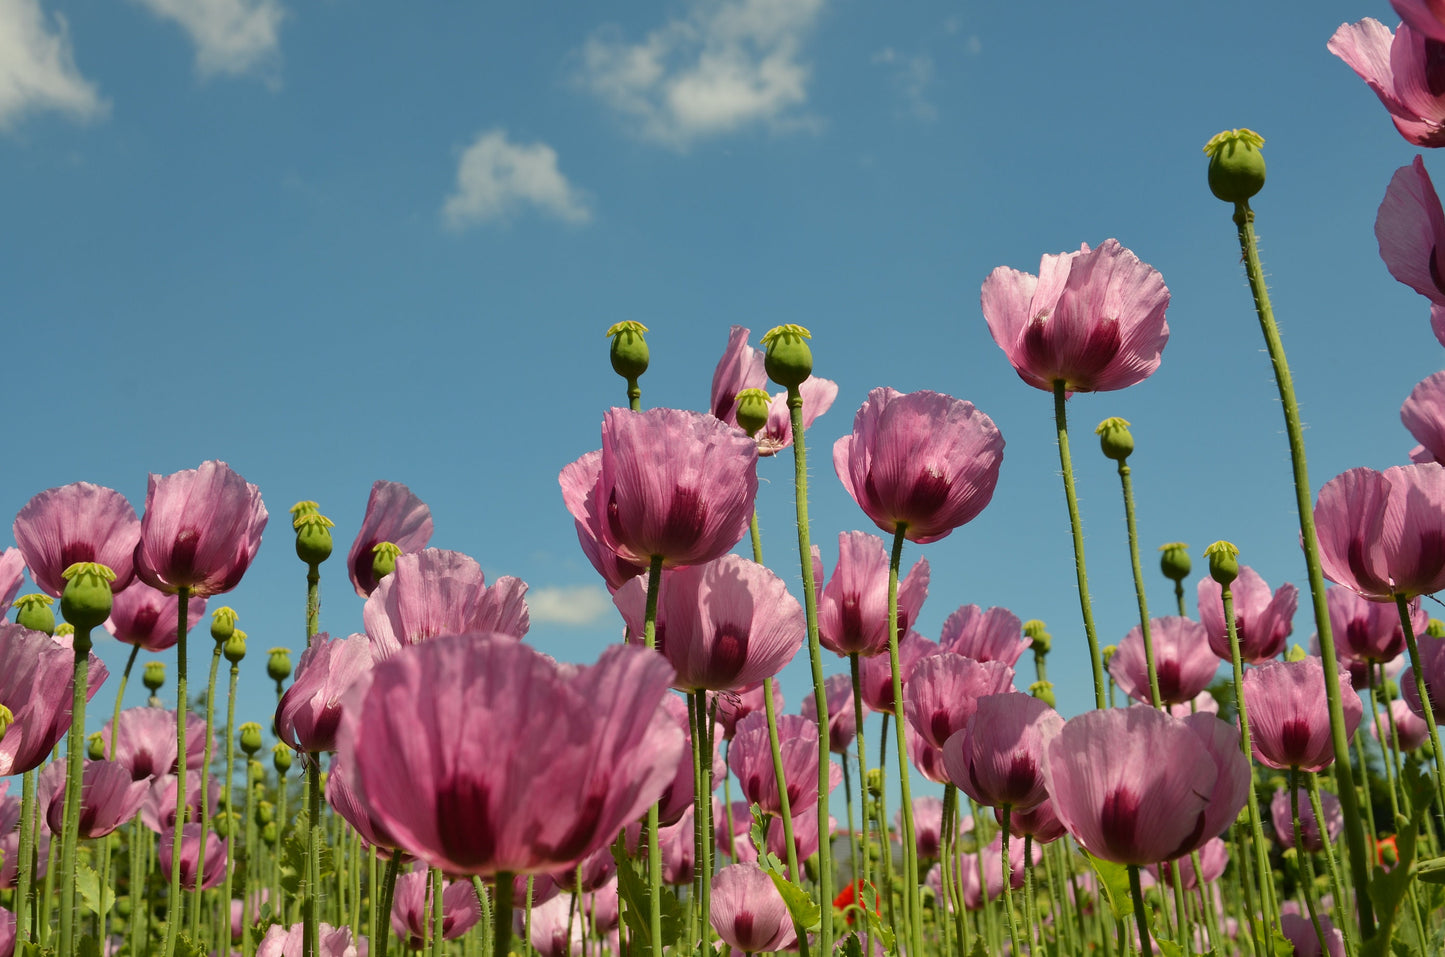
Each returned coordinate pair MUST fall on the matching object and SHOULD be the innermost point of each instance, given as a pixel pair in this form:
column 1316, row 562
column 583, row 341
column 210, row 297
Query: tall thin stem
column 502, row 938
column 1339, row 740
column 910, row 844
column 703, row 736
column 1139, row 913
column 1061, row 424
column 205, row 770
column 654, row 850
column 1336, row 882
column 226, row 802
column 1128, row 487
column 1008, row 897
column 311, row 943
column 24, row 889
column 1427, row 710
column 175, row 902
column 854, row 675
column 74, row 768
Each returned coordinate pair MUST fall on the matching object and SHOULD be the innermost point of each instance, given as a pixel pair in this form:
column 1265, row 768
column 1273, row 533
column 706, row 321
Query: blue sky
column 333, row 242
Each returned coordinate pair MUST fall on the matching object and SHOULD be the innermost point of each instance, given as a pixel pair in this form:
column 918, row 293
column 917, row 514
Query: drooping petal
column 393, row 514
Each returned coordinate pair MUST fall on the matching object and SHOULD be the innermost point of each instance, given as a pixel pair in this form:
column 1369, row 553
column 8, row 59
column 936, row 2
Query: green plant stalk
column 119, row 694
column 1261, row 853
column 485, row 901
column 278, row 893
column 1427, row 709
column 1029, row 917
column 74, row 768
column 24, row 889
column 948, row 861
column 1096, row 663
column 381, row 912
column 815, row 658
column 884, row 845
column 1179, row 597
column 1206, row 906
column 704, row 860
column 355, row 870
column 314, row 841
column 175, row 902
column 502, row 938
column 1128, row 487
column 910, row 844
column 1386, row 750
column 1008, row 897
column 1139, row 913
column 1336, row 882
column 47, row 895
column 1354, row 831
column 854, row 869
column 1308, row 882
column 248, row 918
column 437, row 918
column 853, row 672
column 654, row 850
column 373, row 892
column 770, row 711
column 227, row 803
column 205, row 770
column 139, row 900
column 1393, row 751
column 697, row 836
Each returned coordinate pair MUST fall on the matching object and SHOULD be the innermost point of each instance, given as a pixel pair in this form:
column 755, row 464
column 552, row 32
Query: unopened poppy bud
column 1436, row 628
column 86, row 600
column 7, row 718
column 95, row 747
column 1390, row 690
column 154, row 675
column 265, row 812
column 63, row 629
column 313, row 537
column 1115, row 439
column 250, row 738
column 1236, row 166
column 33, row 612
column 875, row 782
column 235, row 647
column 752, row 406
column 223, row 623
column 1044, row 691
column 1174, row 561
column 1043, row 642
column 383, row 559
column 270, row 833
column 1389, row 855
column 1223, row 562
column 281, row 758
column 629, row 349
column 278, row 665
column 788, row 360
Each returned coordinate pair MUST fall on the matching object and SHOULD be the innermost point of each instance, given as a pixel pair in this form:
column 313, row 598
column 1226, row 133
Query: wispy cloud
column 912, row 76
column 718, row 68
column 496, row 178
column 232, row 37
column 569, row 605
column 37, row 66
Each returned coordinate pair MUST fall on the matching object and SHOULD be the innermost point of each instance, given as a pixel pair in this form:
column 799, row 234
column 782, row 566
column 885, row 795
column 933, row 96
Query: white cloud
column 913, row 75
column 37, row 67
column 497, row 177
column 570, row 605
column 232, row 37
column 722, row 66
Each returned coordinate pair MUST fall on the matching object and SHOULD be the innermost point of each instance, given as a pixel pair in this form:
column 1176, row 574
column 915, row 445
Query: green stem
column 485, row 901
column 24, row 890
column 175, row 902
column 1008, row 897
column 815, row 657
column 1336, row 882
column 381, row 918
column 252, row 858
column 704, row 860
column 853, row 672
column 1427, row 709
column 205, row 770
column 278, row 893
column 885, row 845
column 1125, row 481
column 226, row 802
column 1308, row 883
column 437, row 917
column 1386, row 751
column 634, row 395
column 1179, row 597
column 910, row 845
column 654, row 851
column 74, row 769
column 1354, row 831
column 770, row 711
column 502, row 939
column 1096, row 663
column 119, row 694
column 313, row 601
column 1138, row 892
column 311, row 940
column 1393, row 750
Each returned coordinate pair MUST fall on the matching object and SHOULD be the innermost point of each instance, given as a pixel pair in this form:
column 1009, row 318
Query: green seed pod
column 1390, row 690
column 1436, row 628
column 278, row 665
column 1223, row 562
column 1043, row 642
column 1107, row 653
column 875, row 782
column 752, row 405
column 629, row 349
column 1115, row 439
column 1044, row 691
column 154, row 675
column 223, row 623
column 281, row 758
column 1174, row 561
column 1296, row 653
column 250, row 738
column 7, row 718
column 383, row 559
column 33, row 612
column 271, row 833
column 1236, row 166
column 95, row 747
column 788, row 360
column 225, row 823
column 265, row 812
column 235, row 647
column 313, row 538
column 63, row 629
column 86, row 601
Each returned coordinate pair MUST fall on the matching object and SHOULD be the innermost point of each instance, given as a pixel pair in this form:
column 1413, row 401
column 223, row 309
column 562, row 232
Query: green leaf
column 979, row 950
column 805, row 912
column 882, row 931
column 1169, row 948
column 852, row 946
column 1431, row 871
column 97, row 900
column 1280, row 944
column 1114, row 880
column 28, row 948
column 633, row 890
column 186, row 947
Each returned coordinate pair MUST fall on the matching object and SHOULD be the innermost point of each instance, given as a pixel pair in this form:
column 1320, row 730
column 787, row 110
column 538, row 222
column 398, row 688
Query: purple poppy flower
column 1402, row 68
column 12, row 576
column 309, row 713
column 411, row 909
column 1432, row 667
column 968, row 867
column 201, row 530
column 1092, row 319
column 924, row 756
column 1213, row 858
column 145, row 741
column 1370, row 630
column 438, row 592
column 1280, row 814
column 1183, row 660
column 158, row 810
column 997, row 758
column 1410, row 728
column 556, row 926
column 36, row 672
column 341, row 794
column 924, row 460
column 875, row 674
column 842, row 722
column 215, row 861
column 995, row 634
column 1262, row 619
column 741, row 367
column 927, row 826
column 108, row 796
column 679, row 794
column 77, row 523
column 1289, row 722
column 283, row 941
column 730, row 707
column 853, row 606
column 480, row 755
column 1424, row 415
column 142, row 616
column 1299, row 930
column 750, row 759
column 748, row 913
column 1382, row 534
column 393, row 514
column 1410, row 228
column 944, row 690
column 10, row 857
column 579, row 483
column 1039, row 822
column 722, row 625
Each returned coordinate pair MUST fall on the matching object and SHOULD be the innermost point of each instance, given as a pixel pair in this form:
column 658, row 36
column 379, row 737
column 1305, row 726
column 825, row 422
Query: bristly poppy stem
column 702, row 737
column 382, row 916
column 910, row 843
column 815, row 657
column 1336, row 881
column 1127, row 485
column 770, row 711
column 654, row 850
column 1096, row 663
column 74, row 768
column 24, row 929
column 175, row 902
column 863, row 819
column 502, row 936
column 311, row 929
column 1139, row 913
column 119, row 694
column 1427, row 710
column 205, row 769
column 1008, row 897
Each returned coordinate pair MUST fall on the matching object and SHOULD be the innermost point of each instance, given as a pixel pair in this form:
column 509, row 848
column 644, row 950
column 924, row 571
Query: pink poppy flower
column 1039, row 822
column 927, row 759
column 674, row 484
column 997, row 758
column 80, row 522
column 1382, row 534
column 1424, row 415
column 1402, row 69
column 1410, row 728
column 927, row 826
column 481, row 755
column 342, row 795
column 818, row 396
column 741, row 367
column 995, row 634
column 393, row 514
column 1280, row 814
column 748, row 913
column 142, row 616
column 875, row 675
column 1263, row 619
column 924, row 460
column 730, row 707
column 598, row 869
column 1289, row 722
column 722, row 625
column 579, row 483
column 1183, row 660
column 1213, row 859
column 750, row 759
column 36, row 672
column 238, row 911
column 853, row 606
column 679, row 794
column 1370, row 630
column 10, row 857
column 1410, row 228
column 556, row 926
column 1136, row 786
column 1432, row 666
column 968, row 865
column 215, row 864
column 108, row 796
column 438, row 592
column 1299, row 930
column 309, row 713
column 158, row 810
column 146, row 741
column 12, row 576
column 7, row 932
column 842, row 722
column 1426, row 16
column 201, row 530
column 944, row 690
column 1093, row 319
column 283, row 941
column 411, row 909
